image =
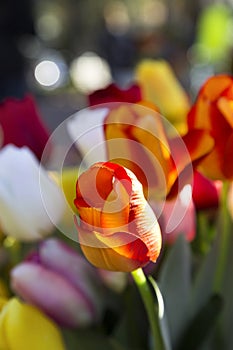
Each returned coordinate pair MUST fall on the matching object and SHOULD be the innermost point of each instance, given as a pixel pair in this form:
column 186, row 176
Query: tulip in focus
column 21, row 125
column 22, row 211
column 60, row 282
column 23, row 326
column 213, row 112
column 160, row 86
column 117, row 228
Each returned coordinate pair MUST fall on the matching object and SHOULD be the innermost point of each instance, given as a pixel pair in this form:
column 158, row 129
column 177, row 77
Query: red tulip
column 112, row 93
column 117, row 229
column 21, row 124
column 206, row 193
column 213, row 112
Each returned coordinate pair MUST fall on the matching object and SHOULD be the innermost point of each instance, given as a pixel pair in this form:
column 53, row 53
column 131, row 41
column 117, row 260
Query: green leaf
column 87, row 340
column 204, row 280
column 226, row 321
column 202, row 324
column 175, row 284
column 162, row 318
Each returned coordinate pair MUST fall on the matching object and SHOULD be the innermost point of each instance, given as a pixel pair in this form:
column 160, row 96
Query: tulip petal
column 22, row 126
column 120, row 257
column 112, row 93
column 199, row 143
column 23, row 181
column 85, row 129
column 215, row 86
column 160, row 86
column 25, row 327
column 227, row 160
column 226, row 107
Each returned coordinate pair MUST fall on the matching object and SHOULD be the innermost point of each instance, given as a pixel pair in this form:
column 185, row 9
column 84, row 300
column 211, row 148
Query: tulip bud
column 118, row 230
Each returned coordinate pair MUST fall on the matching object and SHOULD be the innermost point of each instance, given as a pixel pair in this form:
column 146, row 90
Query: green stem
column 147, row 297
column 225, row 235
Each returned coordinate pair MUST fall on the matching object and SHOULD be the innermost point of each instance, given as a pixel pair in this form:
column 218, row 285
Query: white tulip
column 23, row 214
column 86, row 131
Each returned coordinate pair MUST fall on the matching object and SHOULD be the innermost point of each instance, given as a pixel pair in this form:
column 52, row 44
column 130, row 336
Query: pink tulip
column 60, row 282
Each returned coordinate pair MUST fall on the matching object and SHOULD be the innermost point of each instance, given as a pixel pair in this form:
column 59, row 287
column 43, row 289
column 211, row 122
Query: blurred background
column 61, row 50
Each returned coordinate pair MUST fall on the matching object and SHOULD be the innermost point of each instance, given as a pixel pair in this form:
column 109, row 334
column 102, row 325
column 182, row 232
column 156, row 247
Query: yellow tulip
column 67, row 181
column 24, row 327
column 160, row 86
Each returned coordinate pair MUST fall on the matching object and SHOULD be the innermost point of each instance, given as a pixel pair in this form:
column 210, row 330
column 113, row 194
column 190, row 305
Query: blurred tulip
column 160, row 86
column 86, row 130
column 117, row 229
column 206, row 193
column 112, row 93
column 61, row 283
column 213, row 112
column 137, row 139
column 22, row 211
column 23, row 326
column 21, row 124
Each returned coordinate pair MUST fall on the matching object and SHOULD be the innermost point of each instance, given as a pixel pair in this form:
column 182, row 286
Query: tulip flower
column 22, row 125
column 23, row 214
column 117, row 229
column 213, row 112
column 160, row 86
column 60, row 282
column 136, row 138
column 112, row 93
column 23, row 326
column 206, row 193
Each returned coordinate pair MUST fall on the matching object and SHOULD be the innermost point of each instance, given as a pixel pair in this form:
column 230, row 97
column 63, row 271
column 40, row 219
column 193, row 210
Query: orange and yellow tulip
column 137, row 139
column 213, row 112
column 117, row 229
